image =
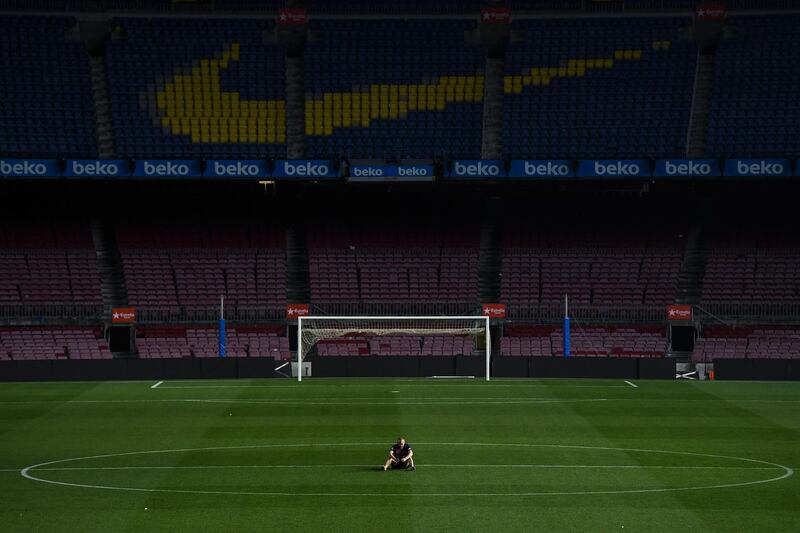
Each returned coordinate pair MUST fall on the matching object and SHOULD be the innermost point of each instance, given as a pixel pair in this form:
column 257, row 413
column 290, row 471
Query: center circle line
column 787, row 472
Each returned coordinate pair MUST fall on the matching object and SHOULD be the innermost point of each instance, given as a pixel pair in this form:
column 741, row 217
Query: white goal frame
column 300, row 319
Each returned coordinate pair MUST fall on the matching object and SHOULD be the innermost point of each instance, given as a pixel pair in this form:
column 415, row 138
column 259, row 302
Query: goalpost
column 419, row 332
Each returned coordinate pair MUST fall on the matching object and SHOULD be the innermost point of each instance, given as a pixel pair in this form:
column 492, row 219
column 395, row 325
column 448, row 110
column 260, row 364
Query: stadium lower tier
column 165, row 341
column 20, row 344
column 747, row 343
column 271, row 342
column 548, row 341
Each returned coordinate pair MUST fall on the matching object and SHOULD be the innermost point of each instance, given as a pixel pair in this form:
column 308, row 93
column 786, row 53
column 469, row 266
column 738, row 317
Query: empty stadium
column 245, row 246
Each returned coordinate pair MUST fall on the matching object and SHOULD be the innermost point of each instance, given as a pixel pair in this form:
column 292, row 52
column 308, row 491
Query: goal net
column 397, row 335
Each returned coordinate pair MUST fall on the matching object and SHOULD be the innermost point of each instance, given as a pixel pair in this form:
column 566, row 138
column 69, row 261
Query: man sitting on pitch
column 400, row 456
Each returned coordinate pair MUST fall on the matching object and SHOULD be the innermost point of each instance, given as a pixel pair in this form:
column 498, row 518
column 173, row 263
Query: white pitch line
column 301, row 401
column 407, row 401
column 368, row 385
column 632, row 384
column 787, row 472
column 218, row 467
column 156, row 385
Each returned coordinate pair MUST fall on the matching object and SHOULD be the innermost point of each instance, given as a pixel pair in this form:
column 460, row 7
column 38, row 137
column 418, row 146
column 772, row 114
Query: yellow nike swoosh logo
column 195, row 105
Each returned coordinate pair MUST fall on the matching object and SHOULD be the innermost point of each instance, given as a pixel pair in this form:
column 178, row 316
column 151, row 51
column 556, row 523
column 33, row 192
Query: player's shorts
column 397, row 463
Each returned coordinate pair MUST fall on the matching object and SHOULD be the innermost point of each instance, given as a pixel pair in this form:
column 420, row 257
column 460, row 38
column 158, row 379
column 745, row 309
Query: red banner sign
column 123, row 315
column 679, row 312
column 296, row 310
column 710, row 12
column 496, row 15
column 494, row 310
column 292, row 16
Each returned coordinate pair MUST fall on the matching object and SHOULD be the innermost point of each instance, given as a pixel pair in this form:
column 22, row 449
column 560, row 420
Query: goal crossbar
column 364, row 327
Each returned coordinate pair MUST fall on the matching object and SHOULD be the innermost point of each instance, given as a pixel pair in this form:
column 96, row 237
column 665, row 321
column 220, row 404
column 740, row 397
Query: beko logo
column 305, row 169
column 28, row 168
column 760, row 168
column 478, row 168
column 167, row 168
column 687, row 168
column 617, row 168
column 367, row 171
column 546, row 169
column 94, row 168
column 237, row 168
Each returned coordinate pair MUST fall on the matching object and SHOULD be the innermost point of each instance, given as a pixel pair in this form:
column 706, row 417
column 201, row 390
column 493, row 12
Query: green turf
column 565, row 455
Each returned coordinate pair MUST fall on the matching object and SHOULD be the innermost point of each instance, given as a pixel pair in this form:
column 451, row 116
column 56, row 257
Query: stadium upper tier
column 754, row 107
column 196, row 88
column 600, row 87
column 393, row 89
column 45, row 89
column 314, row 6
column 373, row 6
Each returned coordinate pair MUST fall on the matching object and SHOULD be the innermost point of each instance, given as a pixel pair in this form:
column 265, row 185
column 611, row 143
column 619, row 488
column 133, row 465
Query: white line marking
column 787, row 472
column 301, row 400
column 156, row 385
column 369, row 385
column 222, row 467
column 632, row 384
column 406, row 401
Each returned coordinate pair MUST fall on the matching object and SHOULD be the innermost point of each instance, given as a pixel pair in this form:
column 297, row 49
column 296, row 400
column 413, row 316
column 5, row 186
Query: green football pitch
column 508, row 455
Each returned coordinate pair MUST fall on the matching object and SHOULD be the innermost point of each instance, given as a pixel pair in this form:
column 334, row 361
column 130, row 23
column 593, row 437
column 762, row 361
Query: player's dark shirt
column 401, row 451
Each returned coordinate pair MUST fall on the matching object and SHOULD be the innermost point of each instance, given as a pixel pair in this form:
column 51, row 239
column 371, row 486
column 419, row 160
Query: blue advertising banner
column 312, row 169
column 97, row 168
column 378, row 173
column 761, row 168
column 477, row 168
column 29, row 168
column 237, row 168
column 613, row 168
column 541, row 168
column 168, row 168
column 686, row 168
